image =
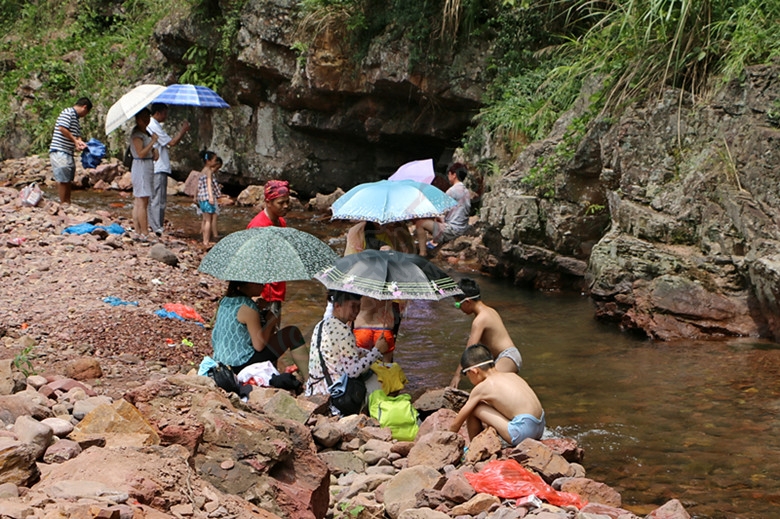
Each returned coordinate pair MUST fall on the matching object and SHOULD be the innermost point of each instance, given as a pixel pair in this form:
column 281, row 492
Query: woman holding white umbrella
column 144, row 155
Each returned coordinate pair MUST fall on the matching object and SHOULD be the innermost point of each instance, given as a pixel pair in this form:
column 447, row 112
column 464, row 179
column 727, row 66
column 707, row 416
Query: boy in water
column 500, row 400
column 487, row 329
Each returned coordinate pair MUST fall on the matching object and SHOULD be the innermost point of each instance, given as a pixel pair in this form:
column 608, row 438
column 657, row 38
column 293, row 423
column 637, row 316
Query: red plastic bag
column 185, row 311
column 510, row 480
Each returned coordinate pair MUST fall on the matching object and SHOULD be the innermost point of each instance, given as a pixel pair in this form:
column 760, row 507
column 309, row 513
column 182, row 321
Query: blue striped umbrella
column 191, row 95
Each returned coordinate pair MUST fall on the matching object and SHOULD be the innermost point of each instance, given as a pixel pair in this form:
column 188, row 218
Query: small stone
column 227, row 464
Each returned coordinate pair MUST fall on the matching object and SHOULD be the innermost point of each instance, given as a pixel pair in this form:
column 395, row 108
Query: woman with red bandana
column 277, row 205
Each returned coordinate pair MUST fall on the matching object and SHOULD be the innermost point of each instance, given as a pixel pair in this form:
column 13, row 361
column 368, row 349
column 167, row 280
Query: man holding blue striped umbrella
column 162, row 166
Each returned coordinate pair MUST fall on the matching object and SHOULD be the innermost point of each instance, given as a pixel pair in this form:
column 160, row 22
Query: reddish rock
column 436, row 449
column 438, row 421
column 671, row 510
column 457, row 488
column 592, row 491
column 566, row 447
column 608, row 511
column 483, row 446
column 85, row 368
column 188, row 435
column 536, row 456
column 61, row 451
column 63, row 385
column 402, row 448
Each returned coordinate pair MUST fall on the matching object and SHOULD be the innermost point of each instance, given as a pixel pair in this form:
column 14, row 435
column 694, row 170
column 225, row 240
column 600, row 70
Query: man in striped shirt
column 64, row 142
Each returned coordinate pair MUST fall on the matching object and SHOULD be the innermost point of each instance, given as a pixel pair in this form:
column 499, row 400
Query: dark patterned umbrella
column 267, row 255
column 386, row 275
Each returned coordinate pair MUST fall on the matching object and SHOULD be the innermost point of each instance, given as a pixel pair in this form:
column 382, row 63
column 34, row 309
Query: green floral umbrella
column 267, row 255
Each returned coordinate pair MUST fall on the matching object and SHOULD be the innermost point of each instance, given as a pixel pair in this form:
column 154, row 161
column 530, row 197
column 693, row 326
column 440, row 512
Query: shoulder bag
column 347, row 394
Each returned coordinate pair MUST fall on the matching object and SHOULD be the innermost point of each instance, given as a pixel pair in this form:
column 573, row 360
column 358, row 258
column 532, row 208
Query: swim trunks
column 525, row 426
column 513, row 354
column 366, row 337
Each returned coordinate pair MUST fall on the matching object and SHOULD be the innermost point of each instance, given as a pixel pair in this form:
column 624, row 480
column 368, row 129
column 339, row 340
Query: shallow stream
column 699, row 422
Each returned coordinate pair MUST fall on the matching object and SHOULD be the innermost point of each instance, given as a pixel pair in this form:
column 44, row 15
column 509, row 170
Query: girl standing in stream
column 207, row 195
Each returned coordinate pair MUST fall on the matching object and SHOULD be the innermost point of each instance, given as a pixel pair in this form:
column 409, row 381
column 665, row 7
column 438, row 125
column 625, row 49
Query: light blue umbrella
column 387, row 201
column 191, row 95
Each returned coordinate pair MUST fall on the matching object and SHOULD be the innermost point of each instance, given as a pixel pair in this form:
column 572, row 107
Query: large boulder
column 323, row 119
column 678, row 229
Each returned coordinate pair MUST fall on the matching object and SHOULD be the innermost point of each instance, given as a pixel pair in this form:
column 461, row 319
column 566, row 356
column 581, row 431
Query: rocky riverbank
column 104, row 416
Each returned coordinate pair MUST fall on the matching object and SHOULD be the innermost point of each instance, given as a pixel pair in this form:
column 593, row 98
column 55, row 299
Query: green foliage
column 545, row 52
column 201, row 69
column 71, row 53
column 594, row 209
column 351, row 510
column 23, row 361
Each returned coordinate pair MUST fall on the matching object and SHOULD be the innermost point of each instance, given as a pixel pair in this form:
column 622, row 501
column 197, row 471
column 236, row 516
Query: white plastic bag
column 31, row 195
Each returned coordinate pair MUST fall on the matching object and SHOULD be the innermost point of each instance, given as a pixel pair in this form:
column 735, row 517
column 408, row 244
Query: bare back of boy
column 488, row 329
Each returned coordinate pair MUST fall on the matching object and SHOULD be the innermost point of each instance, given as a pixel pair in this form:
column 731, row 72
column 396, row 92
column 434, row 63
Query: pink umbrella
column 417, row 170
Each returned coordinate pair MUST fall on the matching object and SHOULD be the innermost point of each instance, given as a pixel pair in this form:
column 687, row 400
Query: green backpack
column 395, row 412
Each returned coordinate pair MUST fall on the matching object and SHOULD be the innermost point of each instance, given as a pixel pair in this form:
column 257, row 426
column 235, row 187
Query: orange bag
column 185, row 311
column 510, row 480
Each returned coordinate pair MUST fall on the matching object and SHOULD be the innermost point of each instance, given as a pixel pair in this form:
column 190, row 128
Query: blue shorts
column 63, row 166
column 525, row 426
column 206, row 207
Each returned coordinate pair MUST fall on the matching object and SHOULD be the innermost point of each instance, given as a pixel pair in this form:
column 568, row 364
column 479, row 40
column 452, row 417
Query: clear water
column 699, row 422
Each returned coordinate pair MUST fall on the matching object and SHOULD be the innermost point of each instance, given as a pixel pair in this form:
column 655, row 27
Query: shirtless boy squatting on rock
column 487, row 329
column 500, row 400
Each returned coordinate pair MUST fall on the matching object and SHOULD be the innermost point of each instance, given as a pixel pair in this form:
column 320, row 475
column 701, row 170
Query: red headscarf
column 275, row 189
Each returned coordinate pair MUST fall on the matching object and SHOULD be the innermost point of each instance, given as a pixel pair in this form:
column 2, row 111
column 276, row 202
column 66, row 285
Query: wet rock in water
column 670, row 510
column 536, row 456
column 592, row 491
column 251, row 196
column 323, row 203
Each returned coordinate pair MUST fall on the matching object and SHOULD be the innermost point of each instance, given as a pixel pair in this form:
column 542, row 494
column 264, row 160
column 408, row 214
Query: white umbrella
column 418, row 170
column 130, row 104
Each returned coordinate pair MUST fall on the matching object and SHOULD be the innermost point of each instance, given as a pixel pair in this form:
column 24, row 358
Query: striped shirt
column 69, row 119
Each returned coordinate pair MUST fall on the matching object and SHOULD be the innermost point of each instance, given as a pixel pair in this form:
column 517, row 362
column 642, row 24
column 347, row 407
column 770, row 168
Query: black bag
column 286, row 381
column 348, row 394
column 225, row 378
column 127, row 160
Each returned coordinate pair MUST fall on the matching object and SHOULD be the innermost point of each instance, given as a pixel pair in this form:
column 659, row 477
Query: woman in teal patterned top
column 244, row 335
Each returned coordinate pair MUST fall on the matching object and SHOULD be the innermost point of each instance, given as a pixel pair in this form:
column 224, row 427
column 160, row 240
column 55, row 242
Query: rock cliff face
column 668, row 216
column 324, row 121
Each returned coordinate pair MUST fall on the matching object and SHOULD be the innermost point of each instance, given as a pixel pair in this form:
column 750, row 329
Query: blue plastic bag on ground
column 93, row 154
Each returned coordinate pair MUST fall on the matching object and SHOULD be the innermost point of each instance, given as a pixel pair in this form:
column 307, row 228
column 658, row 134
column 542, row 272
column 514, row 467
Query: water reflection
column 693, row 421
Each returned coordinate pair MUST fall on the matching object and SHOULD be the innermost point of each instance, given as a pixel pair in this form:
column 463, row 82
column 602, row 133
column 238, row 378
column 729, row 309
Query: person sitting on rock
column 500, row 400
column 455, row 221
column 244, row 335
